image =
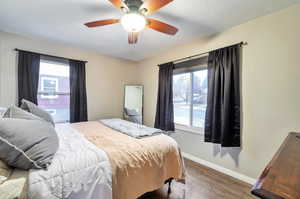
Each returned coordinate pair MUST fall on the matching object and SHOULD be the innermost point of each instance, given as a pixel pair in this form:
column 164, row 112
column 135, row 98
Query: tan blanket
column 138, row 165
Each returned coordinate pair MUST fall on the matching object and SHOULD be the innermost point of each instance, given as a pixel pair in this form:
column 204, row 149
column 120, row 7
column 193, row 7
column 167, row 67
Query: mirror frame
column 124, row 98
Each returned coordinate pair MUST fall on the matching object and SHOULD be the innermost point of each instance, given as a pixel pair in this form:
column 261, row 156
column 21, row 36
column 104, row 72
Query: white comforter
column 79, row 170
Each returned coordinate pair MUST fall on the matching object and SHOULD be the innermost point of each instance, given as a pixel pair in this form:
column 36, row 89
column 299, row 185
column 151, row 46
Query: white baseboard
column 216, row 167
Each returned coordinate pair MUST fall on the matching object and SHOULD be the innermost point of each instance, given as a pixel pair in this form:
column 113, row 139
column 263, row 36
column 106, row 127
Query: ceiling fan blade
column 101, row 23
column 154, row 5
column 162, row 27
column 117, row 3
column 133, row 37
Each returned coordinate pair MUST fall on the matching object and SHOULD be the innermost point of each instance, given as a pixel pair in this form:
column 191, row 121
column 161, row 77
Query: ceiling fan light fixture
column 133, row 22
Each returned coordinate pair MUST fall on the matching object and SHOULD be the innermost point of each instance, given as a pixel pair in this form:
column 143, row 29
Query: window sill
column 187, row 129
column 62, row 122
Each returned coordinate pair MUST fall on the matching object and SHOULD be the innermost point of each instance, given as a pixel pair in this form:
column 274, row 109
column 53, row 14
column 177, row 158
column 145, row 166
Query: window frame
column 51, row 95
column 51, row 110
column 190, row 128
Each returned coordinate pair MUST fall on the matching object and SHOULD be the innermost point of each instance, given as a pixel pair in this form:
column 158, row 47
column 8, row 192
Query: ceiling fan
column 135, row 19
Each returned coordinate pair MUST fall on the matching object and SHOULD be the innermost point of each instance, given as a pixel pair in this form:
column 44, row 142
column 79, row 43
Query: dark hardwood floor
column 204, row 183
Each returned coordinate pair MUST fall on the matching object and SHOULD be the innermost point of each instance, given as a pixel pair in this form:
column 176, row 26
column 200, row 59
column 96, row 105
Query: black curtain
column 222, row 124
column 28, row 76
column 164, row 119
column 78, row 98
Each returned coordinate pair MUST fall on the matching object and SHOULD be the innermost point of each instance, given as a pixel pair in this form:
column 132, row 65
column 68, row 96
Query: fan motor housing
column 134, row 5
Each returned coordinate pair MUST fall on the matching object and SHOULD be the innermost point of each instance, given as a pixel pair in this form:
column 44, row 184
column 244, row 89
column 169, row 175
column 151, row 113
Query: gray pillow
column 34, row 109
column 27, row 144
column 15, row 112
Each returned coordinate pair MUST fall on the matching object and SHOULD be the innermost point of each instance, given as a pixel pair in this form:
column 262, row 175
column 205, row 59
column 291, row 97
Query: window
column 49, row 86
column 190, row 99
column 54, row 89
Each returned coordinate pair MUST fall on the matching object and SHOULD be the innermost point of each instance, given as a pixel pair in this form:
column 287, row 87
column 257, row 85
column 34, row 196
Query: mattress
column 138, row 165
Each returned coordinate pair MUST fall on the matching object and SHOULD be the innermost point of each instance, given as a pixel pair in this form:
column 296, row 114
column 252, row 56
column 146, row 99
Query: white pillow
column 2, row 111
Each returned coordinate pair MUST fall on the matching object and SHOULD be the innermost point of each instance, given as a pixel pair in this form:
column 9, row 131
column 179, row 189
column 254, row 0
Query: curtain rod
column 197, row 55
column 16, row 49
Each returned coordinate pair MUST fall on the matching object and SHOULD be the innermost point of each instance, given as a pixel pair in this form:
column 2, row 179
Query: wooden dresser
column 281, row 178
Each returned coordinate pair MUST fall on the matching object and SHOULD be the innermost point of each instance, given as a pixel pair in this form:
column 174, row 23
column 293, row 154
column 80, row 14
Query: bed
column 95, row 161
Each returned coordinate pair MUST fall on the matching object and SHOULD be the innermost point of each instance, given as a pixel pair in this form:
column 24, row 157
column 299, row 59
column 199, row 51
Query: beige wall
column 270, row 89
column 105, row 76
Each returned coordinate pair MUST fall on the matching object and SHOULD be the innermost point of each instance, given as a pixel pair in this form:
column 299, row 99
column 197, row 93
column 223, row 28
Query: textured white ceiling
column 62, row 21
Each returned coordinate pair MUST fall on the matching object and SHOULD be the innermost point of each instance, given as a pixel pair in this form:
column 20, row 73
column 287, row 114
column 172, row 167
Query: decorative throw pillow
column 15, row 112
column 5, row 171
column 34, row 109
column 27, row 144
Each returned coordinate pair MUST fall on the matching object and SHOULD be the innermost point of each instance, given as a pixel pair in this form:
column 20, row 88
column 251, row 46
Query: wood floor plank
column 204, row 183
